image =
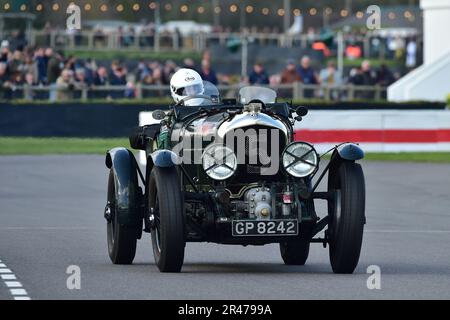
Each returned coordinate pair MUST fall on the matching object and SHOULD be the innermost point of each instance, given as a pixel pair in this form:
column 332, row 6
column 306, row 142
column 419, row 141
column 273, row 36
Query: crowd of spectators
column 22, row 69
column 25, row 69
column 329, row 76
column 67, row 76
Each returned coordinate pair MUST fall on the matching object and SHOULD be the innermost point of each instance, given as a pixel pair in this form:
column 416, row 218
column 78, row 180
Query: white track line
column 18, row 292
column 15, row 287
column 13, row 284
column 5, row 270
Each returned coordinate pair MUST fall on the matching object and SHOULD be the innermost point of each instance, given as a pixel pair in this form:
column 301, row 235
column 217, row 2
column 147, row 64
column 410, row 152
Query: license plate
column 247, row 228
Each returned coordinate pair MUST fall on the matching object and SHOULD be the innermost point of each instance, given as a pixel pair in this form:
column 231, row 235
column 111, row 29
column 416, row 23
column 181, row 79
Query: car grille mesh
column 258, row 147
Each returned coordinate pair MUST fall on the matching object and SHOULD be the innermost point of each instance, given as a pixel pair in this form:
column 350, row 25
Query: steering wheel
column 200, row 96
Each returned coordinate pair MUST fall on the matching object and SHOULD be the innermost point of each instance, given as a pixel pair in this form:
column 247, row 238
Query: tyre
column 167, row 209
column 294, row 253
column 346, row 216
column 121, row 239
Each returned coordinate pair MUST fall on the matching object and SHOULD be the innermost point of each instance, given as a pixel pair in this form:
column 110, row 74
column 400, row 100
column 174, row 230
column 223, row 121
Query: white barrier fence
column 374, row 130
column 378, row 130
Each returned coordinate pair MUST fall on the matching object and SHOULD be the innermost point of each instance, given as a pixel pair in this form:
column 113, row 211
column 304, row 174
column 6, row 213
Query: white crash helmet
column 185, row 83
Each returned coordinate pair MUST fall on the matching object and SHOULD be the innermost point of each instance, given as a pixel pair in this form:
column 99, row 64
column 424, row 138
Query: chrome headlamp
column 300, row 159
column 219, row 162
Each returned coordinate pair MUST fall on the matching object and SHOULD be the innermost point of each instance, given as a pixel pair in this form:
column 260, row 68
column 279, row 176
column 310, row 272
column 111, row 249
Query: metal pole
column 216, row 16
column 244, row 56
column 157, row 25
column 157, row 15
column 340, row 40
column 242, row 16
column 366, row 46
column 348, row 6
column 325, row 19
column 340, row 62
column 287, row 15
column 2, row 24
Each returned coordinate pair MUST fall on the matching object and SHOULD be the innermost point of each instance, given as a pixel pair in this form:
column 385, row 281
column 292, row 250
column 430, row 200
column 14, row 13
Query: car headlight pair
column 299, row 160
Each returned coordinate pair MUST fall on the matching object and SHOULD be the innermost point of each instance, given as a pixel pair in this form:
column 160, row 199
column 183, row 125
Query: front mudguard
column 350, row 152
column 128, row 194
column 163, row 158
column 346, row 152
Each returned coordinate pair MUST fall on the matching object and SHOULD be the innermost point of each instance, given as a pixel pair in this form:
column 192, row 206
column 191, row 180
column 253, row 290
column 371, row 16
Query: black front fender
column 162, row 159
column 128, row 194
column 350, row 152
column 346, row 152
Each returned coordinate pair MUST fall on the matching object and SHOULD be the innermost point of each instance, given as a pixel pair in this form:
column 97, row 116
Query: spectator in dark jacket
column 100, row 79
column 290, row 74
column 384, row 76
column 307, row 72
column 258, row 75
column 118, row 78
column 41, row 63
column 369, row 76
column 5, row 91
column 53, row 66
column 207, row 73
column 308, row 75
column 16, row 63
column 364, row 76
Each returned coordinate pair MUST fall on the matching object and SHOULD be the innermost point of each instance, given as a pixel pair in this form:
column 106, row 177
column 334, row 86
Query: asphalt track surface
column 51, row 217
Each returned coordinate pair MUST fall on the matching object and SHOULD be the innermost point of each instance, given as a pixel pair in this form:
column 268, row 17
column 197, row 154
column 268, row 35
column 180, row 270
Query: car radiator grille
column 258, row 147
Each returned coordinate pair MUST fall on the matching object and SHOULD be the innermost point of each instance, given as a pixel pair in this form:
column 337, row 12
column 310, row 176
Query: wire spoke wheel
column 168, row 233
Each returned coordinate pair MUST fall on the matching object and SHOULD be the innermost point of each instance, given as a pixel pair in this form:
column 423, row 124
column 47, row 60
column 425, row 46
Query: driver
column 187, row 83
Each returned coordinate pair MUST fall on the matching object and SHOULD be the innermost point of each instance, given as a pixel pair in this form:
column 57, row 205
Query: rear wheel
column 121, row 239
column 295, row 252
column 346, row 216
column 167, row 212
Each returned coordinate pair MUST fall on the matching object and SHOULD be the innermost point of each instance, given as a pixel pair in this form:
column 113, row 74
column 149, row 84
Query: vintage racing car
column 229, row 171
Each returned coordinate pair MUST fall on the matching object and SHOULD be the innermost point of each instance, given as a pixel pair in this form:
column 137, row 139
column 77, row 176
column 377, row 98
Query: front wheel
column 121, row 238
column 167, row 213
column 346, row 215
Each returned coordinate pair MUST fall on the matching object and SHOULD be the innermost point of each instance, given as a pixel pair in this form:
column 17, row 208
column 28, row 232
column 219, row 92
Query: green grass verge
column 179, row 56
column 41, row 146
column 434, row 157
